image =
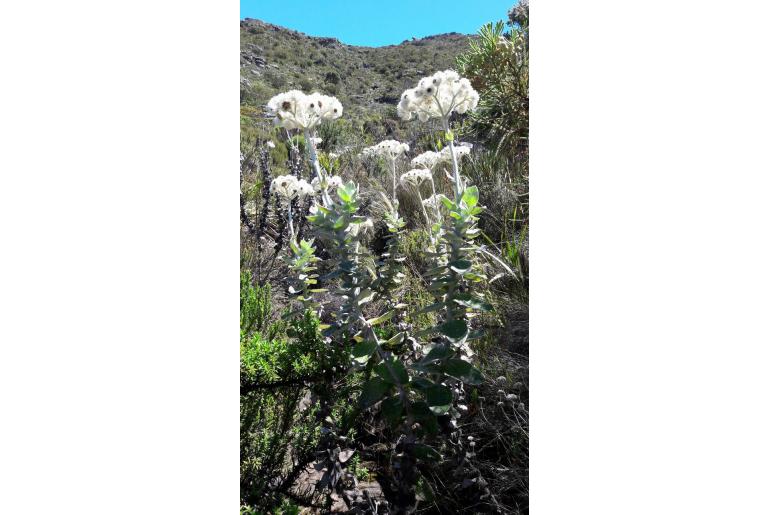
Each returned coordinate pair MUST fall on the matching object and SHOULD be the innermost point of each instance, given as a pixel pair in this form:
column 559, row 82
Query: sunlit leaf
column 362, row 351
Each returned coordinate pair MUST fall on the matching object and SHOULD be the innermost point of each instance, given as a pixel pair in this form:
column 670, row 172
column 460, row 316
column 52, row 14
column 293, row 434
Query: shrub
column 398, row 272
column 498, row 66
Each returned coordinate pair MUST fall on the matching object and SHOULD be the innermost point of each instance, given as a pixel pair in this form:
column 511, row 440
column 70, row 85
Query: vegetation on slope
column 306, row 441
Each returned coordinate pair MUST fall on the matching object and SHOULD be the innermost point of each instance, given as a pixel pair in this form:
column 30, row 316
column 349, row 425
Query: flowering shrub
column 415, row 377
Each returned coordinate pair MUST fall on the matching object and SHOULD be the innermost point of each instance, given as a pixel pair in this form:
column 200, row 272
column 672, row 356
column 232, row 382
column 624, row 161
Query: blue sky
column 377, row 23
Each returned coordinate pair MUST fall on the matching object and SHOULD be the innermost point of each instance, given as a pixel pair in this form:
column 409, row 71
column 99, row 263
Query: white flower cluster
column 331, row 182
column 437, row 96
column 250, row 207
column 434, row 201
column 430, row 159
column 389, row 149
column 296, row 110
column 427, row 160
column 461, row 150
column 289, row 187
column 416, row 176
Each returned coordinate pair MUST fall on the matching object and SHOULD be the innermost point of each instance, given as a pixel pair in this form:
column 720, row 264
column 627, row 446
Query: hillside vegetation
column 384, row 305
column 366, row 79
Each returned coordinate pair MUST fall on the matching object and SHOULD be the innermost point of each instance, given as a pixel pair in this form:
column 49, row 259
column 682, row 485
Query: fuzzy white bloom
column 316, row 141
column 430, row 159
column 289, row 187
column 270, row 144
column 296, row 110
column 416, row 176
column 331, row 182
column 333, row 155
column 304, row 188
column 461, row 150
column 389, row 149
column 328, row 108
column 433, row 202
column 427, row 160
column 356, row 229
column 438, row 96
column 250, row 208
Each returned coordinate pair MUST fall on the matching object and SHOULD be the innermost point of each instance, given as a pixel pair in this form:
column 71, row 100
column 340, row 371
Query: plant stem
column 455, row 167
column 393, row 171
column 424, row 212
column 435, row 200
column 291, row 224
column 401, row 392
column 317, row 168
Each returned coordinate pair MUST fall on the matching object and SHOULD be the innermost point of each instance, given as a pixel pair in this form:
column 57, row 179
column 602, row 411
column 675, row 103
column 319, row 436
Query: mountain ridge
column 367, row 80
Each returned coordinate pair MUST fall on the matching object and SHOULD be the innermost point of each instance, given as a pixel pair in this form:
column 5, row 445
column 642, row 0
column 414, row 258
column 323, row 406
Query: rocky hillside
column 365, row 79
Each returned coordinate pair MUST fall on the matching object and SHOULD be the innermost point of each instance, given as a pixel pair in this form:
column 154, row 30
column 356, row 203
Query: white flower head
column 461, row 150
column 296, row 110
column 389, row 149
column 438, row 96
column 328, row 108
column 331, row 182
column 316, row 141
column 270, row 144
column 427, row 160
column 416, row 176
column 433, row 202
column 289, row 187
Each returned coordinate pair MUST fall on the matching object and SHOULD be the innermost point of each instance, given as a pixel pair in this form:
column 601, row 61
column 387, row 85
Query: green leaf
column 469, row 301
column 433, row 307
column 420, row 383
column 447, row 203
column 345, row 191
column 471, row 196
column 425, row 416
column 430, row 368
column 395, row 340
column 424, row 491
column 425, row 452
column 392, row 409
column 382, row 318
column 463, row 371
column 439, row 399
column 438, row 352
column 365, row 296
column 362, row 351
column 460, row 266
column 399, row 374
column 373, row 390
column 454, row 329
column 474, row 211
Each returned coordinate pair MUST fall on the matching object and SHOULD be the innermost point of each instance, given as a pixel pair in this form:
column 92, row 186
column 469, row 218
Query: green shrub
column 497, row 65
